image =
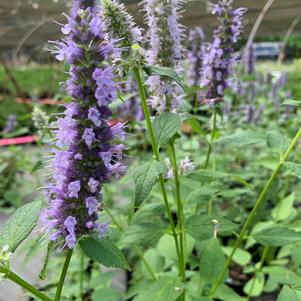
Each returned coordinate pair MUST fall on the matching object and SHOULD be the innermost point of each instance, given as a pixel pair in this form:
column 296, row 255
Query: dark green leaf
column 103, row 251
column 165, row 72
column 145, row 177
column 165, row 127
column 20, row 225
column 276, row 236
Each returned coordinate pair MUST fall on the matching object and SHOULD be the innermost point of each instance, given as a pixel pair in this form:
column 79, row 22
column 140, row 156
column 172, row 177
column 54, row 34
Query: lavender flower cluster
column 219, row 59
column 86, row 156
column 165, row 36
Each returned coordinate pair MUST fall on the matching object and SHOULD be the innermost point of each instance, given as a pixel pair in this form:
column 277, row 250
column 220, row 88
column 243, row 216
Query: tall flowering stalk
column 86, row 157
column 165, row 37
column 112, row 15
column 219, row 59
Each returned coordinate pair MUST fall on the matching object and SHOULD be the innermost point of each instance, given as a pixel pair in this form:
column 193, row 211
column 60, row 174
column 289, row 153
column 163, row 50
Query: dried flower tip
column 217, row 227
column 40, row 120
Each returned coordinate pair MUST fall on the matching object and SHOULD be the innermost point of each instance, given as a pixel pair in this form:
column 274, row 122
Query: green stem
column 137, row 249
column 253, row 213
column 21, row 282
column 180, row 210
column 211, row 143
column 156, row 155
column 63, row 276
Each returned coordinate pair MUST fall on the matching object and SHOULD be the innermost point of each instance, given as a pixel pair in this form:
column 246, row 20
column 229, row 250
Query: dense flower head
column 219, row 59
column 121, row 29
column 196, row 49
column 86, row 156
column 165, row 36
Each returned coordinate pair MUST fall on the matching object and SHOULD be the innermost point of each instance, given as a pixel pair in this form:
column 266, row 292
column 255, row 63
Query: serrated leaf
column 287, row 293
column 20, row 225
column 201, row 227
column 277, row 141
column 103, row 251
column 165, row 72
column 165, row 127
column 293, row 168
column 276, row 236
column 145, row 234
column 212, row 260
column 145, row 177
column 201, row 195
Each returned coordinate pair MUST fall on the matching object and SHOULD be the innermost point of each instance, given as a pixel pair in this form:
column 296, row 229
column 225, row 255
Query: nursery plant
column 203, row 205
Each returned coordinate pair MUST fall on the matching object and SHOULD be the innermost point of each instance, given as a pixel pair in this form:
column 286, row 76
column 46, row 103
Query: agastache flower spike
column 219, row 59
column 83, row 134
column 249, row 62
column 122, row 31
column 195, row 55
column 165, row 36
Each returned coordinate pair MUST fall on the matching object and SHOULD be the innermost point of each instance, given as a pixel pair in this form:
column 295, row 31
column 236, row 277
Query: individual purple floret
column 219, row 59
column 83, row 135
column 165, row 37
column 83, row 4
column 196, row 50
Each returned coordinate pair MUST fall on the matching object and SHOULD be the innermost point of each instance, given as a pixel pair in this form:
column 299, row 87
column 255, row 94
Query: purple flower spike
column 165, row 37
column 87, row 156
column 219, row 59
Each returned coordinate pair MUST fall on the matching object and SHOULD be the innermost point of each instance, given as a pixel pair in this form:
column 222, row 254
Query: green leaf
column 165, row 288
column 165, row 72
column 225, row 293
column 287, row 293
column 20, row 225
column 276, row 236
column 145, row 234
column 103, row 251
column 212, row 260
column 166, row 246
column 201, row 195
column 195, row 125
column 291, row 102
column 145, row 177
column 293, row 168
column 165, row 127
column 277, row 141
column 154, row 260
column 242, row 138
column 255, row 286
column 106, row 294
column 284, row 209
column 240, row 256
column 201, row 227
